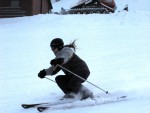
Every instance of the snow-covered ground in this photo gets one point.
(116, 48)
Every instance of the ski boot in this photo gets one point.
(85, 93)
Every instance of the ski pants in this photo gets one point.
(69, 83)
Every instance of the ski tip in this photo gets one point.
(40, 109)
(123, 96)
(24, 106)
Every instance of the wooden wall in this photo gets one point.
(34, 7)
(26, 5)
(5, 3)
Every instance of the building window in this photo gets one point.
(14, 3)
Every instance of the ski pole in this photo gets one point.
(50, 79)
(82, 79)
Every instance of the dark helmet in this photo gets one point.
(57, 43)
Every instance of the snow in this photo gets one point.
(116, 48)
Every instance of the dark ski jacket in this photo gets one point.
(71, 62)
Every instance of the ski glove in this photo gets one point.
(57, 61)
(42, 73)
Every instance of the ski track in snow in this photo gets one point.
(85, 103)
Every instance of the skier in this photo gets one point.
(70, 84)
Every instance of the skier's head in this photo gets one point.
(57, 43)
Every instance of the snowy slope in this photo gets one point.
(115, 46)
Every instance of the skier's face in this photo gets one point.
(54, 49)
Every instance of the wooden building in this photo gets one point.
(15, 8)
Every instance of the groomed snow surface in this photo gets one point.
(116, 48)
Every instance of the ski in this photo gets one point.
(81, 103)
(122, 96)
(41, 109)
(26, 106)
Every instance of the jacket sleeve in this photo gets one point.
(66, 54)
(52, 70)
